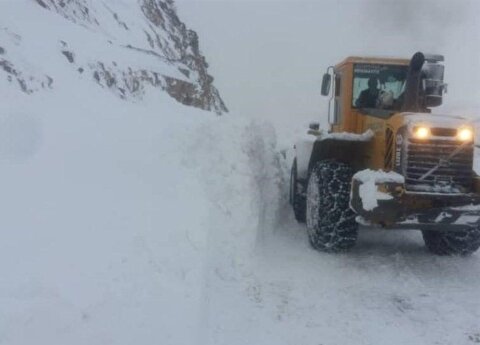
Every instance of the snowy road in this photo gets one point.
(388, 290)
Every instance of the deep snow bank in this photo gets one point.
(118, 215)
(115, 214)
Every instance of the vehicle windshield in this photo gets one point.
(378, 86)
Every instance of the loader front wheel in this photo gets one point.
(331, 223)
(452, 242)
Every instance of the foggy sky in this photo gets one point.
(268, 56)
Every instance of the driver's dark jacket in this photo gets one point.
(367, 99)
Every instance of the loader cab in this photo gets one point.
(350, 89)
(381, 87)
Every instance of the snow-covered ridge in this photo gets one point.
(123, 46)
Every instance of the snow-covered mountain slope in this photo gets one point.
(124, 46)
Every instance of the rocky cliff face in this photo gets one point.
(125, 46)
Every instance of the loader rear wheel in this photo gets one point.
(452, 243)
(297, 195)
(331, 223)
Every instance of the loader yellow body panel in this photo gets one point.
(352, 120)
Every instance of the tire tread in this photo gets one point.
(331, 223)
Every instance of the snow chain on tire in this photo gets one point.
(452, 243)
(331, 223)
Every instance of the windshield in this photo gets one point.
(378, 86)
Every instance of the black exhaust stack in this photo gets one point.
(424, 85)
(411, 99)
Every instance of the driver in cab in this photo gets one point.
(368, 97)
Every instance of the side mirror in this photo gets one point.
(326, 83)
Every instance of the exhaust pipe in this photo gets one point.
(411, 98)
(424, 85)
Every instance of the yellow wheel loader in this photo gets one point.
(386, 160)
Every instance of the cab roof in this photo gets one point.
(374, 60)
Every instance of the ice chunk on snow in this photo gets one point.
(442, 216)
(467, 219)
(410, 220)
(368, 193)
(362, 221)
(379, 176)
(368, 190)
(470, 207)
(367, 136)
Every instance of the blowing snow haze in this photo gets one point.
(269, 56)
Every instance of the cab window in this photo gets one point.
(378, 86)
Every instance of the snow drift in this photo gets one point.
(117, 200)
(114, 215)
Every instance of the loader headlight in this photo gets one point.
(465, 134)
(421, 132)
